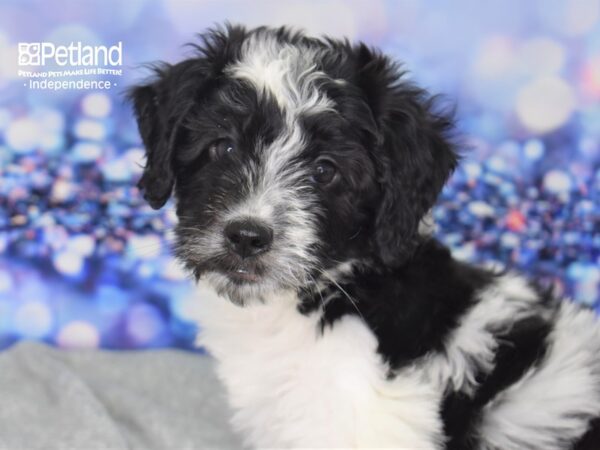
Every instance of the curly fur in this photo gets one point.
(354, 329)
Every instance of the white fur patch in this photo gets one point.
(285, 72)
(280, 198)
(471, 347)
(552, 404)
(292, 388)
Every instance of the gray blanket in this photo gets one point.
(80, 400)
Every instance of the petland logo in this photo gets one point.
(73, 66)
(75, 54)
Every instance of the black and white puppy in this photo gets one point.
(302, 169)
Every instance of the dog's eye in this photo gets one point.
(220, 148)
(324, 172)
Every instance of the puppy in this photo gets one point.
(302, 169)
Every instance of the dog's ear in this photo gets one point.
(158, 179)
(162, 105)
(160, 108)
(414, 153)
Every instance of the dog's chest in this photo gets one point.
(291, 385)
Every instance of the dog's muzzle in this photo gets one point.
(248, 238)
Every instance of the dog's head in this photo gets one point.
(289, 156)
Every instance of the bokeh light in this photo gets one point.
(85, 263)
(545, 104)
(78, 335)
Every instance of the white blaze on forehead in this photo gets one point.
(277, 178)
(287, 73)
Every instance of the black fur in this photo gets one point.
(412, 308)
(591, 440)
(521, 349)
(392, 148)
(377, 109)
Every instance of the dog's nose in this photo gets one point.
(248, 237)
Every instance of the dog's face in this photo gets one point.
(289, 157)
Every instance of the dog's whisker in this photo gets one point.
(314, 288)
(343, 291)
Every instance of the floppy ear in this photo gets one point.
(414, 154)
(162, 106)
(157, 180)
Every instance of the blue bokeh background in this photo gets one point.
(85, 263)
